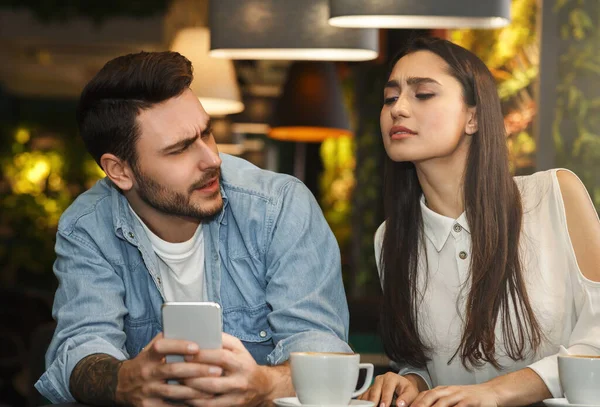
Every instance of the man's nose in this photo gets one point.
(208, 159)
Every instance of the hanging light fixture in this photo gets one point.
(310, 109)
(214, 82)
(420, 13)
(285, 30)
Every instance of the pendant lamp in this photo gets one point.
(310, 109)
(420, 13)
(215, 81)
(285, 30)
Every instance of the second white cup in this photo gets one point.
(323, 378)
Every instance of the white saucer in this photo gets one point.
(564, 403)
(294, 402)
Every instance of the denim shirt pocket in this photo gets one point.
(140, 332)
(250, 325)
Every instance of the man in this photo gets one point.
(175, 221)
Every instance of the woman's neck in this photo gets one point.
(442, 182)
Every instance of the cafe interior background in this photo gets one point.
(282, 99)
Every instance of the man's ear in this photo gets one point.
(118, 171)
(471, 126)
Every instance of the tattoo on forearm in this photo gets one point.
(94, 380)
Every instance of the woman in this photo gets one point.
(484, 275)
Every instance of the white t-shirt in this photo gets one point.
(566, 303)
(181, 265)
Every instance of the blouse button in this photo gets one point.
(462, 255)
(457, 228)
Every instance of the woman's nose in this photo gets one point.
(400, 108)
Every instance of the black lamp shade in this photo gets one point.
(285, 30)
(311, 106)
(420, 13)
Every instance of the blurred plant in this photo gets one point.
(34, 191)
(367, 202)
(576, 126)
(337, 185)
(512, 55)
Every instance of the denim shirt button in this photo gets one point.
(131, 235)
(263, 334)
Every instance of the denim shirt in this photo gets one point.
(271, 262)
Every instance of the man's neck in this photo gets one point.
(170, 228)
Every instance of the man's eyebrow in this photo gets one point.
(208, 127)
(181, 144)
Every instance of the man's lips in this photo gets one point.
(208, 184)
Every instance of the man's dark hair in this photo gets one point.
(111, 101)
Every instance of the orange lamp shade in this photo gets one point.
(311, 106)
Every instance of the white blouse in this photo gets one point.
(566, 303)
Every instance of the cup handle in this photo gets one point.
(368, 378)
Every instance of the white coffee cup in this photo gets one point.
(322, 378)
(580, 378)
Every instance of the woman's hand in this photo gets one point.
(477, 395)
(390, 386)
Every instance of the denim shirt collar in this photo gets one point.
(129, 228)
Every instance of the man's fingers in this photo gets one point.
(215, 385)
(162, 347)
(231, 342)
(180, 370)
(161, 403)
(156, 338)
(226, 400)
(226, 359)
(176, 392)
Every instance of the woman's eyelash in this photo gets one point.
(420, 96)
(424, 96)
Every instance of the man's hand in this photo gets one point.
(142, 380)
(244, 383)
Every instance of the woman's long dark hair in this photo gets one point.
(494, 212)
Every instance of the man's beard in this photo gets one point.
(175, 203)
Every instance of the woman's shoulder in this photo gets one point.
(537, 178)
(558, 195)
(549, 183)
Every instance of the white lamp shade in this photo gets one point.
(420, 13)
(214, 82)
(285, 30)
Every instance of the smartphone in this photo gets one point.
(199, 322)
